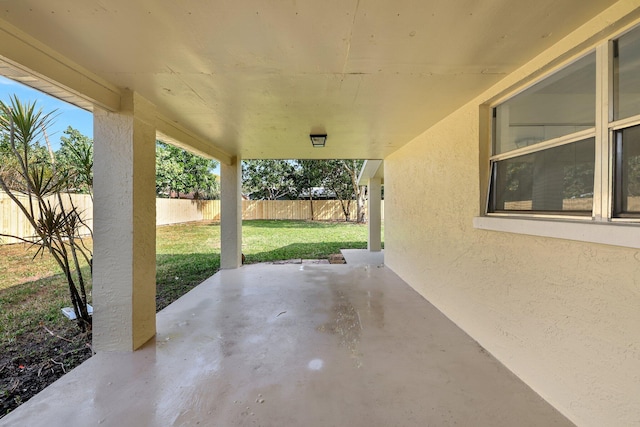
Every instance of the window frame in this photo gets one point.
(616, 129)
(604, 132)
(540, 147)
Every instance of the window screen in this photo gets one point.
(627, 172)
(558, 179)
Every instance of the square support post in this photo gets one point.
(375, 216)
(231, 214)
(124, 268)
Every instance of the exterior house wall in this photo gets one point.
(563, 315)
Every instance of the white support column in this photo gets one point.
(124, 267)
(231, 214)
(375, 217)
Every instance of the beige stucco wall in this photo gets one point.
(562, 315)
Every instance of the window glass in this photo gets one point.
(627, 164)
(558, 179)
(627, 76)
(559, 105)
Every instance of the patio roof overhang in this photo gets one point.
(371, 169)
(253, 79)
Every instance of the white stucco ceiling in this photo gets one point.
(255, 77)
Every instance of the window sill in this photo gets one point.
(606, 233)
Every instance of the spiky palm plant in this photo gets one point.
(36, 176)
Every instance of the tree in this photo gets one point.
(179, 172)
(275, 179)
(75, 158)
(269, 179)
(341, 177)
(308, 176)
(9, 166)
(353, 168)
(56, 226)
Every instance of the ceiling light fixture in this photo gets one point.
(318, 140)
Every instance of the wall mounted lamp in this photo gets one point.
(318, 140)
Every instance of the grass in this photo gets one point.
(280, 240)
(35, 339)
(32, 290)
(17, 265)
(186, 254)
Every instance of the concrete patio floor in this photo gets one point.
(295, 345)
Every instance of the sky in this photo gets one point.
(66, 114)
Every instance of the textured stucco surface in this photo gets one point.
(374, 222)
(562, 315)
(124, 227)
(231, 214)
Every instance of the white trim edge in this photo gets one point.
(626, 235)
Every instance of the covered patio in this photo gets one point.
(414, 88)
(322, 345)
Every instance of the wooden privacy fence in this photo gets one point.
(323, 210)
(13, 221)
(174, 211)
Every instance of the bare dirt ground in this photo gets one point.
(36, 360)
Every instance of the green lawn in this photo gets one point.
(189, 253)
